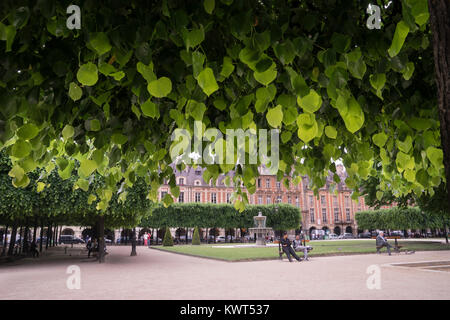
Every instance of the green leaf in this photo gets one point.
(404, 162)
(82, 184)
(378, 81)
(436, 157)
(195, 109)
(87, 167)
(351, 112)
(408, 71)
(16, 172)
(40, 187)
(307, 127)
(380, 139)
(266, 77)
(119, 138)
(7, 33)
(401, 32)
(331, 132)
(68, 132)
(209, 5)
(285, 52)
(21, 149)
(99, 42)
(28, 131)
(150, 109)
(227, 67)
(194, 37)
(207, 81)
(88, 74)
(160, 88)
(275, 116)
(75, 92)
(311, 102)
(146, 71)
(405, 145)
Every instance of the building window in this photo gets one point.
(198, 172)
(268, 200)
(278, 185)
(347, 214)
(228, 197)
(347, 201)
(335, 201)
(163, 194)
(213, 197)
(267, 183)
(297, 202)
(197, 197)
(181, 197)
(289, 200)
(311, 201)
(322, 201)
(181, 181)
(279, 199)
(336, 214)
(259, 183)
(311, 215)
(324, 215)
(197, 182)
(260, 201)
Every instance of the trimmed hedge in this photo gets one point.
(399, 219)
(208, 215)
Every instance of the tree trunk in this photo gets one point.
(187, 231)
(48, 236)
(35, 230)
(56, 235)
(440, 27)
(133, 243)
(101, 239)
(12, 240)
(41, 235)
(5, 241)
(20, 241)
(25, 239)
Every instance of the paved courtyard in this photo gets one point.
(160, 275)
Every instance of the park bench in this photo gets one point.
(397, 248)
(281, 252)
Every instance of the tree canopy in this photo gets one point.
(109, 95)
(208, 215)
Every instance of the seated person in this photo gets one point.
(297, 243)
(382, 242)
(286, 247)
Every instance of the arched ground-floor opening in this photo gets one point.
(349, 229)
(337, 230)
(67, 232)
(326, 230)
(312, 232)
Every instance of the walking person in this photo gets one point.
(145, 238)
(33, 249)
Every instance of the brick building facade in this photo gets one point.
(330, 212)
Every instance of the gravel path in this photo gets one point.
(160, 275)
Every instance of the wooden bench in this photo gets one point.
(281, 252)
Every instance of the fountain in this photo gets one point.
(260, 229)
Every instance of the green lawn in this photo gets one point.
(320, 248)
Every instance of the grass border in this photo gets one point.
(334, 254)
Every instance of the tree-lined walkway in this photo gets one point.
(160, 275)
